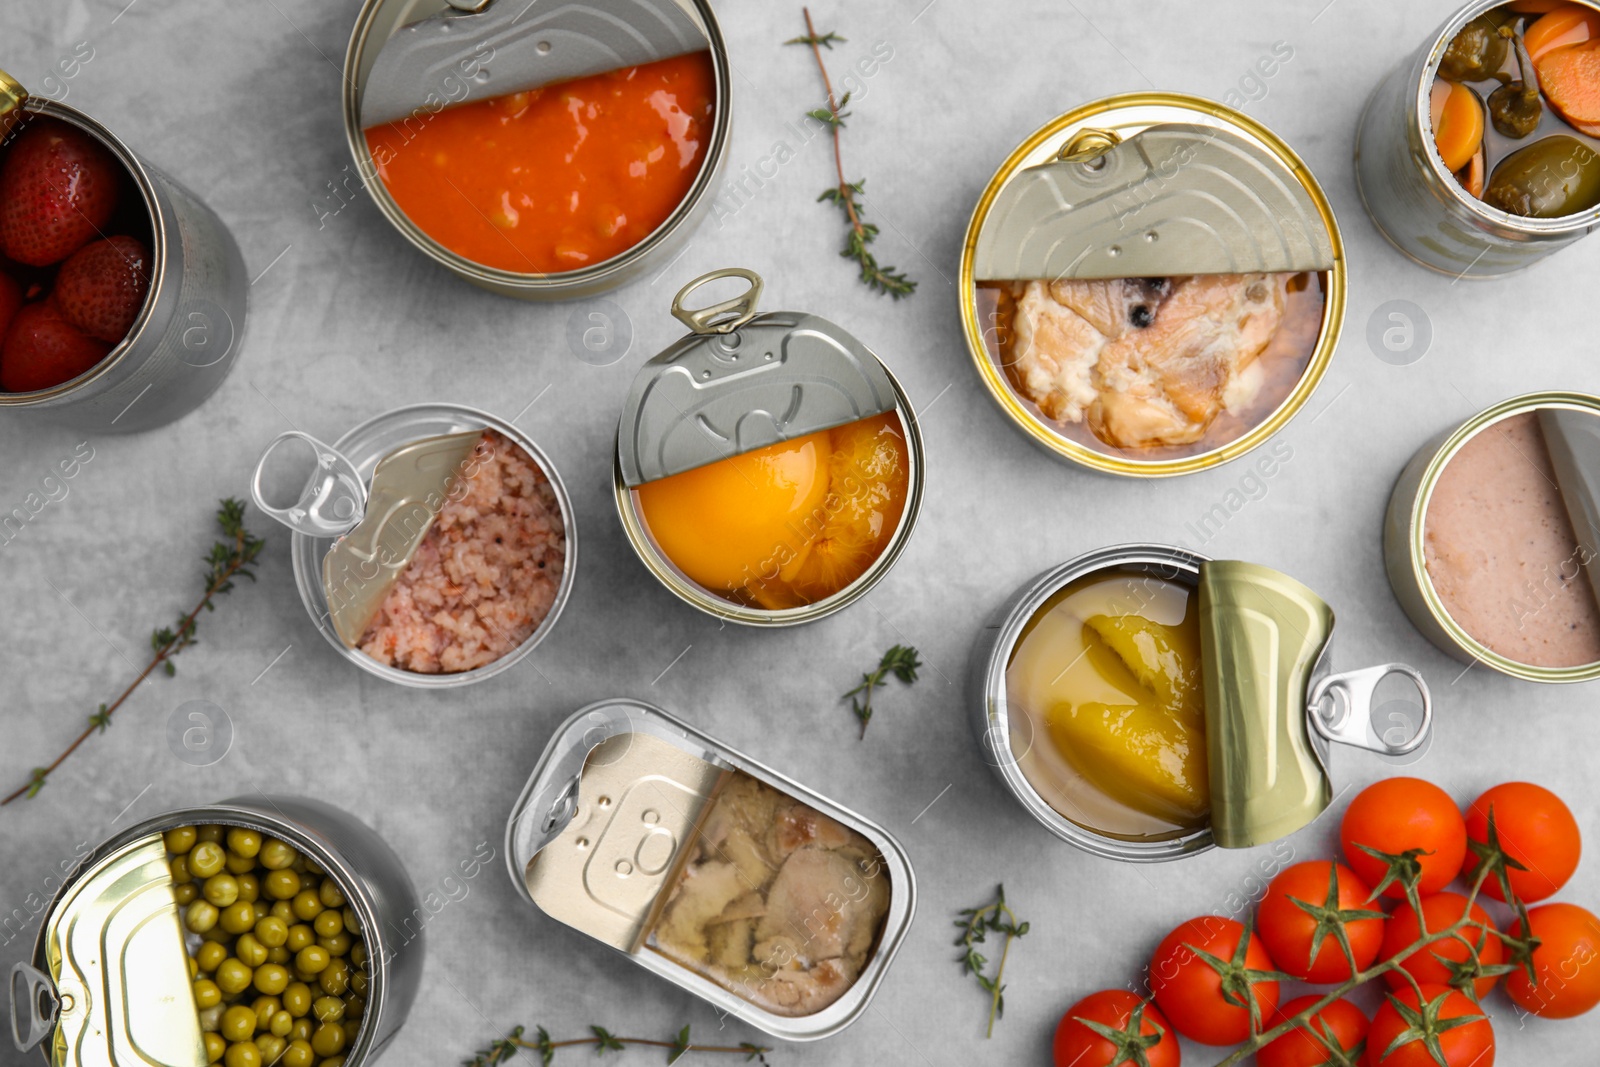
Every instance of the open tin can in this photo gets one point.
(370, 514)
(761, 897)
(1260, 715)
(109, 981)
(184, 341)
(769, 468)
(1152, 284)
(1492, 538)
(1415, 200)
(559, 33)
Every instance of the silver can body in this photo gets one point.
(186, 338)
(375, 883)
(1417, 204)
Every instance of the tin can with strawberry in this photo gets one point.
(122, 296)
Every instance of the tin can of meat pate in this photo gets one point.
(380, 20)
(1107, 232)
(186, 337)
(1271, 705)
(1413, 198)
(109, 979)
(635, 827)
(1543, 530)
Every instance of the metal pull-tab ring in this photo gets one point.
(725, 317)
(34, 1004)
(334, 499)
(1340, 709)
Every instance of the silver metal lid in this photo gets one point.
(1207, 202)
(743, 380)
(1572, 438)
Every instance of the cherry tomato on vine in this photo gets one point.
(1567, 963)
(1208, 999)
(1098, 1030)
(1407, 1033)
(1308, 909)
(1433, 965)
(1395, 816)
(1534, 828)
(1341, 1022)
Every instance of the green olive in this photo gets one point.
(249, 887)
(206, 993)
(298, 1054)
(212, 833)
(300, 935)
(221, 889)
(313, 959)
(358, 955)
(301, 1031)
(351, 923)
(265, 1008)
(215, 1047)
(312, 868)
(307, 905)
(275, 855)
(179, 865)
(337, 945)
(206, 859)
(1552, 177)
(233, 976)
(244, 842)
(281, 885)
(1476, 53)
(200, 916)
(238, 864)
(282, 909)
(335, 978)
(238, 917)
(280, 1023)
(297, 999)
(328, 924)
(358, 983)
(272, 978)
(327, 1009)
(238, 1023)
(271, 1047)
(210, 956)
(249, 951)
(271, 931)
(279, 954)
(327, 1040)
(242, 1054)
(186, 893)
(180, 839)
(330, 894)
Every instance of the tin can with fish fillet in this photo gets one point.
(1412, 194)
(1152, 284)
(730, 880)
(434, 545)
(1492, 538)
(769, 468)
(110, 976)
(440, 105)
(185, 338)
(1145, 703)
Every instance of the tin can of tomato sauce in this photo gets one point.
(760, 896)
(768, 468)
(1152, 284)
(1492, 538)
(1145, 703)
(113, 979)
(556, 235)
(186, 336)
(1418, 203)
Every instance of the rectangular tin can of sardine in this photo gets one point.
(756, 894)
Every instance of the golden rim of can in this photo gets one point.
(1121, 116)
(12, 97)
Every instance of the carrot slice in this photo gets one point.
(1459, 129)
(1566, 24)
(1474, 180)
(1570, 78)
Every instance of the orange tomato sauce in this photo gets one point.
(556, 178)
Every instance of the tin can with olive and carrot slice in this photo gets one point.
(1152, 284)
(736, 883)
(155, 359)
(456, 110)
(136, 950)
(1145, 703)
(1522, 179)
(1492, 538)
(768, 467)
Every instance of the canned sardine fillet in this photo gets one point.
(1481, 153)
(1492, 536)
(1153, 284)
(750, 891)
(1144, 702)
(260, 930)
(556, 153)
(768, 467)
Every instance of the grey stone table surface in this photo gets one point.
(239, 100)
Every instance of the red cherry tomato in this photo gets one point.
(1567, 963)
(1288, 929)
(1536, 829)
(1191, 991)
(1469, 1045)
(1430, 966)
(1080, 1045)
(1342, 1021)
(1395, 816)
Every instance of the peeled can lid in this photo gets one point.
(741, 381)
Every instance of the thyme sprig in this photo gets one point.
(901, 661)
(847, 194)
(602, 1041)
(228, 559)
(975, 925)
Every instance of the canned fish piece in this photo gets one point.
(465, 514)
(485, 188)
(1145, 703)
(1491, 536)
(1523, 177)
(109, 981)
(769, 468)
(124, 373)
(767, 900)
(1152, 284)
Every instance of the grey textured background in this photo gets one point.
(239, 100)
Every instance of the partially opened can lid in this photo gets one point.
(741, 381)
